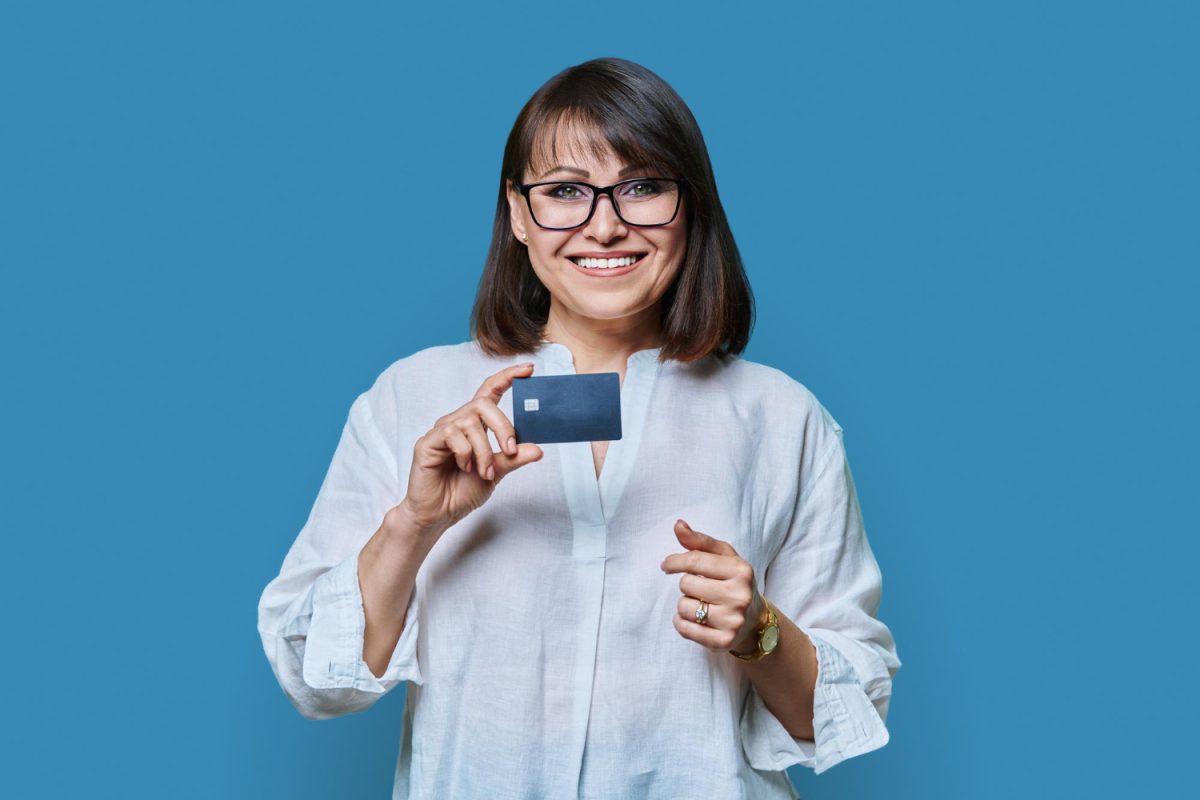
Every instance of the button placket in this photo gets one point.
(592, 505)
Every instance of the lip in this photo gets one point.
(615, 272)
(605, 254)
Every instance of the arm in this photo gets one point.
(387, 573)
(786, 679)
(826, 582)
(312, 617)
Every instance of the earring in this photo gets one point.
(524, 238)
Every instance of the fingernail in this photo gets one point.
(512, 445)
(491, 472)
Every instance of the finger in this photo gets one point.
(728, 593)
(709, 565)
(499, 424)
(527, 453)
(695, 540)
(494, 386)
(702, 634)
(472, 428)
(719, 617)
(458, 444)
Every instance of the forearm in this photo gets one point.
(387, 574)
(787, 678)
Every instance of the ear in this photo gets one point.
(516, 210)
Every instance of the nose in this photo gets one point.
(605, 225)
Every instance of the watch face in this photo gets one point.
(770, 638)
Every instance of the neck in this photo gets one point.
(603, 345)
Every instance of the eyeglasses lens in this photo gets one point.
(639, 202)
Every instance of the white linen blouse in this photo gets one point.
(538, 646)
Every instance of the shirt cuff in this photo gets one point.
(333, 651)
(845, 722)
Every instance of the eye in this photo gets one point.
(566, 191)
(643, 189)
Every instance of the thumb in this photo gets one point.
(685, 534)
(695, 540)
(527, 453)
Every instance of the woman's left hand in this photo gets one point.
(716, 574)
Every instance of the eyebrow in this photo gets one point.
(584, 172)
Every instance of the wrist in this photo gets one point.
(746, 648)
(766, 636)
(407, 526)
(748, 645)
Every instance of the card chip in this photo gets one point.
(531, 404)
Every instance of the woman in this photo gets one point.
(685, 611)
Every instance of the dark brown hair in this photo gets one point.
(709, 307)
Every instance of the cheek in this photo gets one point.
(539, 268)
(671, 251)
(674, 244)
(546, 251)
(545, 258)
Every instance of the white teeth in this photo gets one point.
(605, 263)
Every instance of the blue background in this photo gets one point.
(971, 230)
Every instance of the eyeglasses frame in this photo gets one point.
(597, 193)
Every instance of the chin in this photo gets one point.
(611, 312)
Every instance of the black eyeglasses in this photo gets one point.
(642, 202)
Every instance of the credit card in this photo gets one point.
(567, 408)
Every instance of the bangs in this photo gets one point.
(576, 135)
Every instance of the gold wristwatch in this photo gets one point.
(768, 635)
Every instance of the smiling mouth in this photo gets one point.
(607, 263)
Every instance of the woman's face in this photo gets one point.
(597, 298)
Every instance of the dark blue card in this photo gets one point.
(567, 408)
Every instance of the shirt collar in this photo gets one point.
(561, 357)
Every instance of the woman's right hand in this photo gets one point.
(454, 470)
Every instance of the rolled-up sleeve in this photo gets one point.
(310, 616)
(826, 580)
